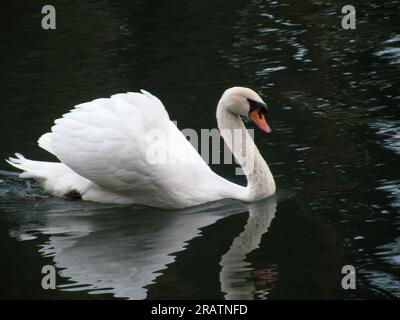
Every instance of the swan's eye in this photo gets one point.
(257, 105)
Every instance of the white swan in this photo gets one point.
(103, 146)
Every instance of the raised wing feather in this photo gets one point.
(127, 144)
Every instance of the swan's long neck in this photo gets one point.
(260, 182)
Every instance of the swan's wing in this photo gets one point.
(126, 143)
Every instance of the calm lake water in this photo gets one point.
(334, 99)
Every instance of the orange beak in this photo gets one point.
(258, 118)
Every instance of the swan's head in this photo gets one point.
(246, 102)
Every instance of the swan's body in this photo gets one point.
(125, 149)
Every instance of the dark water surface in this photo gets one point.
(334, 99)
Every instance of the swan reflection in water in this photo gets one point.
(234, 267)
(121, 250)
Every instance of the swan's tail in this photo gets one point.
(55, 177)
(31, 169)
